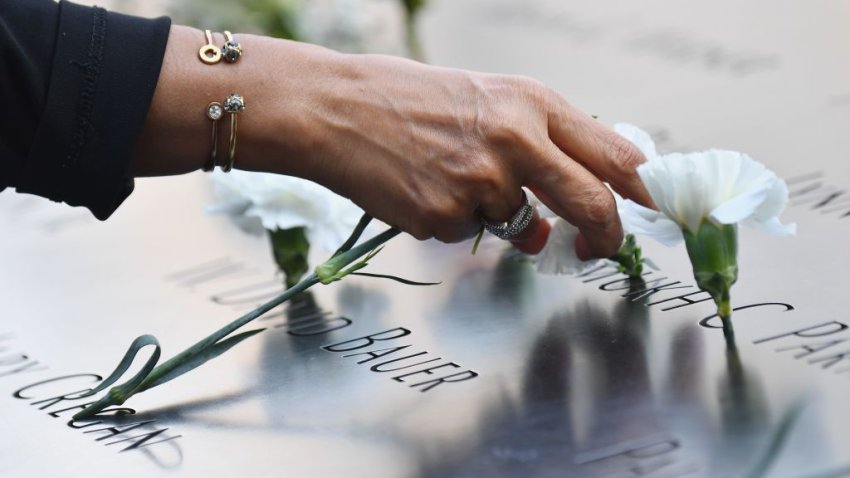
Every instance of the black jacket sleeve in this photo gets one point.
(75, 86)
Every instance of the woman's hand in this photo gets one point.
(423, 148)
(429, 149)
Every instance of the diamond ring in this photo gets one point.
(508, 230)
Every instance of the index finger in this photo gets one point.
(577, 195)
(598, 148)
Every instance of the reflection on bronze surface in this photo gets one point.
(587, 407)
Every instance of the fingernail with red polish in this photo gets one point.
(535, 242)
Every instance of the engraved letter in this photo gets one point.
(373, 354)
(466, 375)
(808, 332)
(366, 341)
(810, 349)
(19, 392)
(377, 366)
(705, 322)
(427, 371)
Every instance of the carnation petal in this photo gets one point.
(772, 226)
(675, 183)
(641, 220)
(558, 256)
(766, 216)
(739, 207)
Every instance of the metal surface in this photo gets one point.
(575, 376)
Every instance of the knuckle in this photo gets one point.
(507, 107)
(502, 127)
(441, 211)
(527, 84)
(513, 84)
(451, 221)
(429, 215)
(450, 235)
(535, 91)
(626, 156)
(488, 179)
(600, 208)
(523, 84)
(435, 214)
(420, 232)
(538, 97)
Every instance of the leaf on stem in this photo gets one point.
(118, 394)
(395, 278)
(330, 272)
(365, 219)
(200, 358)
(649, 262)
(129, 356)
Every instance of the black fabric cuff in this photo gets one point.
(105, 69)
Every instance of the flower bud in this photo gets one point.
(713, 250)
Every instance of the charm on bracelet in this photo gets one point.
(234, 104)
(209, 53)
(232, 50)
(214, 112)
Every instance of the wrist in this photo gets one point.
(285, 84)
(176, 135)
(282, 83)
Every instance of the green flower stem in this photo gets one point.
(164, 372)
(477, 240)
(215, 344)
(713, 250)
(724, 311)
(223, 332)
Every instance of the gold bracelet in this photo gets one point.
(234, 104)
(214, 112)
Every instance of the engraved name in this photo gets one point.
(52, 396)
(380, 352)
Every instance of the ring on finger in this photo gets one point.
(513, 227)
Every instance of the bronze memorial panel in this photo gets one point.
(548, 376)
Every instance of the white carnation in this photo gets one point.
(258, 201)
(558, 256)
(725, 187)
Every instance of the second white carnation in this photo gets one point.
(258, 201)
